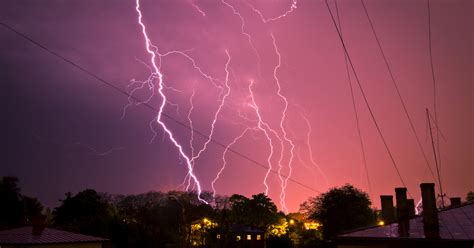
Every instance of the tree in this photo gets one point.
(87, 212)
(340, 209)
(31, 208)
(16, 209)
(11, 206)
(262, 211)
(157, 219)
(258, 211)
(470, 197)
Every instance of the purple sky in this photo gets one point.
(60, 121)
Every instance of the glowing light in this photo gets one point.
(292, 222)
(312, 225)
(381, 223)
(279, 229)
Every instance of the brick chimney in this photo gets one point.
(388, 211)
(455, 201)
(411, 207)
(430, 212)
(403, 217)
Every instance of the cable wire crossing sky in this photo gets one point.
(288, 98)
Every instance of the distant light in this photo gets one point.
(312, 225)
(292, 222)
(381, 223)
(205, 220)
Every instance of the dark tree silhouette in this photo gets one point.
(11, 206)
(87, 212)
(16, 209)
(258, 211)
(32, 208)
(157, 219)
(340, 209)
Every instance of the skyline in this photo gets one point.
(74, 128)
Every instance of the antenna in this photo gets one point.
(442, 195)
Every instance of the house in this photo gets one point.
(449, 228)
(46, 238)
(240, 236)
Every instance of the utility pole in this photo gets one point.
(442, 195)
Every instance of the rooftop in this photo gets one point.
(454, 224)
(24, 235)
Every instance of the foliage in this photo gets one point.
(470, 197)
(200, 231)
(278, 230)
(340, 209)
(16, 209)
(159, 219)
(258, 211)
(87, 212)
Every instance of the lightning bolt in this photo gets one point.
(216, 115)
(191, 139)
(282, 120)
(275, 139)
(224, 161)
(244, 33)
(197, 8)
(157, 73)
(293, 6)
(419, 207)
(262, 126)
(310, 148)
(226, 94)
(100, 153)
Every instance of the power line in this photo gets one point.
(395, 84)
(438, 164)
(123, 92)
(365, 98)
(362, 148)
(434, 82)
(436, 160)
(436, 126)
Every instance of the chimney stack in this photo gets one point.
(455, 201)
(403, 218)
(411, 207)
(430, 212)
(388, 211)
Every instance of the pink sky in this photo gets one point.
(53, 106)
